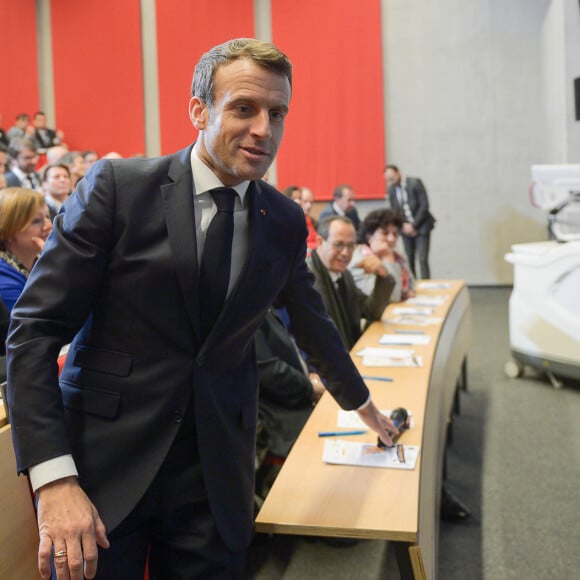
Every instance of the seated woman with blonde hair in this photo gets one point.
(380, 231)
(24, 227)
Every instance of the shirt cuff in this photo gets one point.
(51, 470)
(365, 404)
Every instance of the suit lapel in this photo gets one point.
(180, 219)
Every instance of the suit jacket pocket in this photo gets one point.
(103, 361)
(93, 401)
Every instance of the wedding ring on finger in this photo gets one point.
(60, 554)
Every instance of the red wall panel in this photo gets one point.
(185, 30)
(334, 132)
(19, 60)
(98, 75)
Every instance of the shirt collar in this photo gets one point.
(337, 209)
(204, 179)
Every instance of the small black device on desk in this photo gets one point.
(400, 418)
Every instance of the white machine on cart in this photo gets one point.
(556, 188)
(544, 315)
(545, 303)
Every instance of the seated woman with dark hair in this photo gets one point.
(24, 227)
(379, 232)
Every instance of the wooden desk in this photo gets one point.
(312, 498)
(18, 528)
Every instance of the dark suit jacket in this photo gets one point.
(12, 180)
(329, 210)
(285, 390)
(49, 139)
(118, 277)
(348, 314)
(418, 204)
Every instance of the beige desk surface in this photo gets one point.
(313, 498)
(18, 529)
(2, 414)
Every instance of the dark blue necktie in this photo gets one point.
(214, 272)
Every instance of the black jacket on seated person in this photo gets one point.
(285, 398)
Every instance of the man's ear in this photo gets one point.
(198, 113)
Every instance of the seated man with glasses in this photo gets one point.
(346, 304)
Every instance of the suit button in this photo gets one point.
(178, 416)
(199, 360)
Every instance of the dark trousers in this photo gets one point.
(418, 246)
(173, 527)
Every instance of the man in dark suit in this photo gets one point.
(145, 445)
(55, 186)
(23, 157)
(342, 204)
(409, 198)
(346, 304)
(44, 137)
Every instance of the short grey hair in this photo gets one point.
(262, 53)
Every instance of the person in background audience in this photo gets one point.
(3, 137)
(306, 201)
(76, 166)
(21, 128)
(3, 159)
(89, 157)
(23, 158)
(56, 186)
(55, 154)
(112, 155)
(342, 204)
(24, 227)
(44, 137)
(408, 197)
(293, 192)
(379, 233)
(345, 303)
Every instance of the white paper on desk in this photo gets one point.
(427, 300)
(414, 320)
(434, 285)
(381, 361)
(417, 311)
(352, 420)
(389, 357)
(342, 452)
(386, 352)
(405, 339)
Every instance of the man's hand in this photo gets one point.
(379, 423)
(372, 264)
(318, 387)
(409, 229)
(68, 521)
